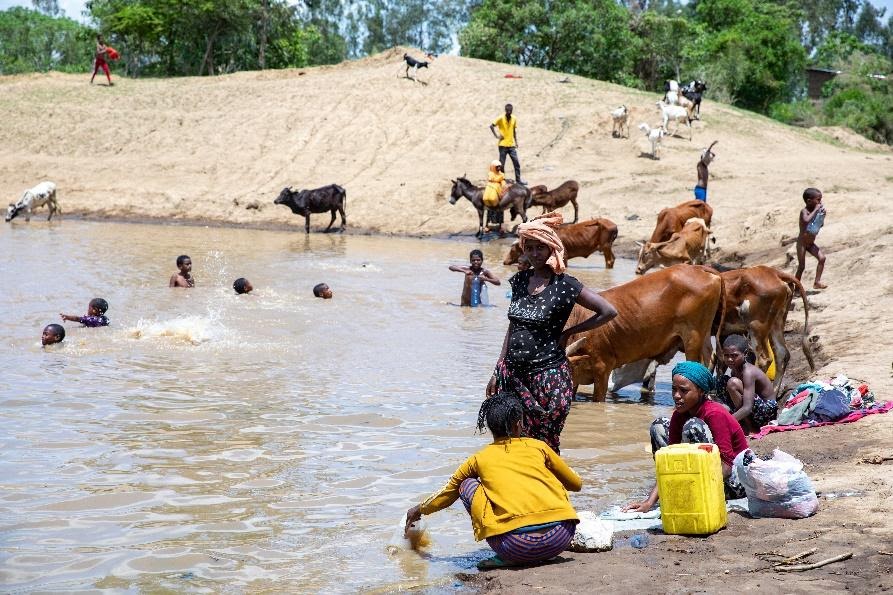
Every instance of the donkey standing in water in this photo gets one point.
(517, 198)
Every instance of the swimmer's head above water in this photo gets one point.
(97, 307)
(321, 290)
(476, 260)
(52, 333)
(242, 285)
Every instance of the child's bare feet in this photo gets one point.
(819, 285)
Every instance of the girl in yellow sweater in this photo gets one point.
(496, 185)
(515, 490)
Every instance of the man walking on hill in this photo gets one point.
(508, 140)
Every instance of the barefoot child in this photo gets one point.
(812, 217)
(183, 278)
(514, 489)
(475, 270)
(749, 394)
(52, 333)
(95, 314)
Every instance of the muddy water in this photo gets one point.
(207, 441)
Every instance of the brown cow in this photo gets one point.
(755, 304)
(580, 239)
(657, 315)
(672, 219)
(556, 198)
(686, 246)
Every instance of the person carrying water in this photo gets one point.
(508, 140)
(532, 363)
(697, 420)
(100, 60)
(95, 314)
(707, 157)
(812, 218)
(475, 277)
(514, 489)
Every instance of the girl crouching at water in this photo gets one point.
(515, 490)
(533, 364)
(697, 420)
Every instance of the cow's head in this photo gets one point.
(581, 370)
(513, 254)
(11, 212)
(283, 197)
(648, 253)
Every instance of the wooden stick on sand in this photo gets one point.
(802, 567)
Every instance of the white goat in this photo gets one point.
(621, 119)
(654, 135)
(677, 114)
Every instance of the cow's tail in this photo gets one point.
(804, 336)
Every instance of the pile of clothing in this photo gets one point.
(815, 402)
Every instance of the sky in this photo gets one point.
(74, 8)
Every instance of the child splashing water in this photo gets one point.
(514, 489)
(95, 314)
(474, 289)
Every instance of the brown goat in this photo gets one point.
(552, 200)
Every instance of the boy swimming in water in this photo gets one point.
(95, 314)
(812, 217)
(52, 333)
(474, 270)
(242, 285)
(321, 290)
(183, 277)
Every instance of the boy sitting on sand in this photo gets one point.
(183, 277)
(474, 270)
(812, 217)
(514, 489)
(52, 333)
(95, 314)
(749, 394)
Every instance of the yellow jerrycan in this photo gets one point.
(690, 488)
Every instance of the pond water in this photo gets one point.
(210, 442)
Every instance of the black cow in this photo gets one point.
(303, 202)
(693, 92)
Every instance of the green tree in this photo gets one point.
(859, 98)
(590, 38)
(32, 41)
(661, 46)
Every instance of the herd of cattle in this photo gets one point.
(678, 308)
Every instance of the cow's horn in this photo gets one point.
(638, 243)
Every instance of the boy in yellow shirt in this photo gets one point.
(514, 489)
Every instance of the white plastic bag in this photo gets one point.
(776, 488)
(593, 534)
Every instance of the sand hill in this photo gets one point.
(204, 149)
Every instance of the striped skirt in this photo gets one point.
(517, 546)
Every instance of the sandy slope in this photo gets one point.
(205, 148)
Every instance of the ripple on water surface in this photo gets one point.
(272, 441)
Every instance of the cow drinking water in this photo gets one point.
(319, 200)
(42, 194)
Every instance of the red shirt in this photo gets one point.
(727, 433)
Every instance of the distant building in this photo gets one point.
(816, 79)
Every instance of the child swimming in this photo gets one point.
(242, 285)
(321, 290)
(514, 489)
(95, 314)
(183, 277)
(475, 270)
(52, 333)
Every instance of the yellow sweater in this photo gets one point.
(523, 482)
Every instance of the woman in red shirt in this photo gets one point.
(697, 420)
(100, 60)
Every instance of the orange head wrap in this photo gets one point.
(542, 228)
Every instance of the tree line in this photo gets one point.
(752, 52)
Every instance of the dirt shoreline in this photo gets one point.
(217, 151)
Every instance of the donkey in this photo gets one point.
(517, 198)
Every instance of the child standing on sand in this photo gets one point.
(95, 314)
(812, 217)
(183, 278)
(475, 271)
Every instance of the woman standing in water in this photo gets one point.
(533, 364)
